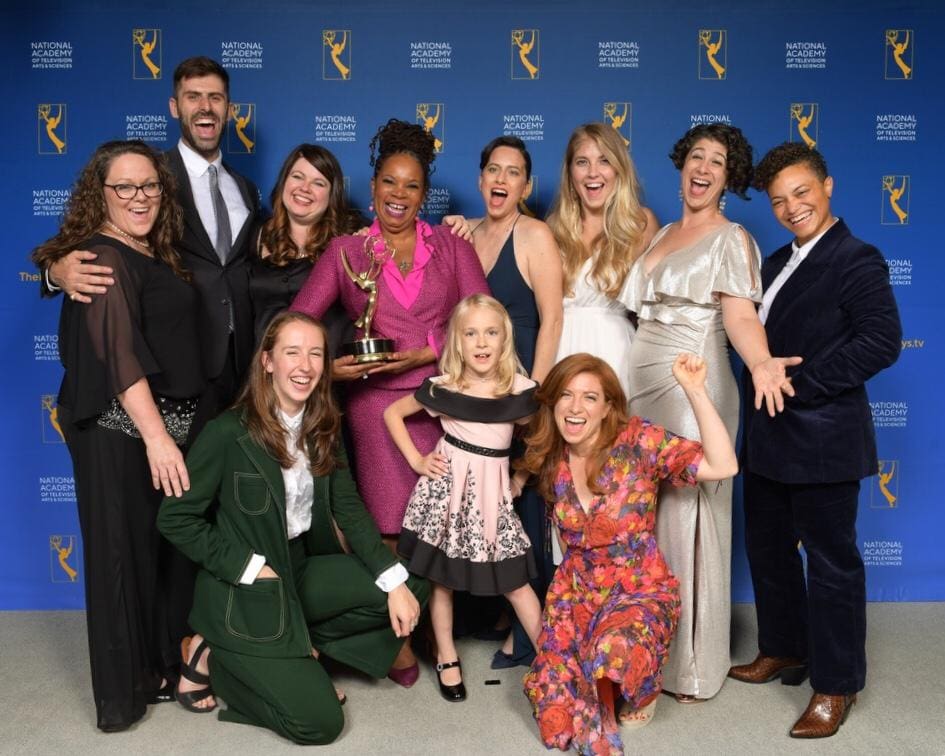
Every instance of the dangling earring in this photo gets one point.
(679, 194)
(722, 203)
(370, 208)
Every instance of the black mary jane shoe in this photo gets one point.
(452, 693)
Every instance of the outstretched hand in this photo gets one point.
(690, 371)
(772, 383)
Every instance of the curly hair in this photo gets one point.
(451, 362)
(337, 219)
(738, 161)
(624, 220)
(86, 212)
(544, 445)
(506, 141)
(402, 138)
(784, 155)
(320, 434)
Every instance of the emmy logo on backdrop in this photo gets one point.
(338, 52)
(368, 348)
(244, 128)
(900, 44)
(52, 431)
(59, 557)
(894, 198)
(714, 51)
(53, 144)
(806, 125)
(885, 495)
(145, 50)
(621, 123)
(434, 124)
(521, 50)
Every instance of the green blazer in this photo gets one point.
(236, 507)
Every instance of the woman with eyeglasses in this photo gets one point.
(132, 377)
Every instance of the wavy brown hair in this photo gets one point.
(544, 445)
(86, 212)
(338, 218)
(320, 434)
(624, 220)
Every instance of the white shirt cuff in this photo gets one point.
(256, 563)
(392, 577)
(49, 284)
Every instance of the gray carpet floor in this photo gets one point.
(47, 707)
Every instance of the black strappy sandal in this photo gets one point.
(188, 671)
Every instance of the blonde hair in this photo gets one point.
(451, 361)
(624, 220)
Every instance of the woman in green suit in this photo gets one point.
(271, 515)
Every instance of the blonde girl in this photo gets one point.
(460, 529)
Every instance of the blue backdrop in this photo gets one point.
(863, 81)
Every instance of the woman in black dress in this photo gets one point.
(128, 396)
(308, 210)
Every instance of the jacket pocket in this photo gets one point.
(257, 611)
(251, 493)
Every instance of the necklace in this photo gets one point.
(404, 266)
(129, 237)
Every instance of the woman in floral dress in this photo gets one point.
(613, 604)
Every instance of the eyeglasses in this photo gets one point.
(130, 191)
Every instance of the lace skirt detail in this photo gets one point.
(177, 414)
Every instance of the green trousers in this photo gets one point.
(348, 621)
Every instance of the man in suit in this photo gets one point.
(826, 298)
(219, 207)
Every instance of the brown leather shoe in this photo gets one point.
(766, 668)
(823, 716)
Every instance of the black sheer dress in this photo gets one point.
(145, 326)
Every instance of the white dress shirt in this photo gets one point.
(798, 255)
(199, 174)
(299, 496)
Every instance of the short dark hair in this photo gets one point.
(398, 137)
(506, 141)
(784, 155)
(200, 66)
(738, 161)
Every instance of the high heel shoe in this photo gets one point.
(188, 670)
(406, 676)
(163, 694)
(452, 693)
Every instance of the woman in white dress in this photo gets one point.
(600, 227)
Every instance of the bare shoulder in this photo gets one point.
(534, 233)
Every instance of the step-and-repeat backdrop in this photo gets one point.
(864, 85)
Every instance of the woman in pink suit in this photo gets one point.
(426, 271)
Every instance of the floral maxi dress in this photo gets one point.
(613, 604)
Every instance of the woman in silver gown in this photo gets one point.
(695, 290)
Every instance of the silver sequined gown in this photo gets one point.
(679, 311)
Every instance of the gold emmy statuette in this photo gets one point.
(712, 49)
(429, 123)
(899, 49)
(241, 122)
(63, 554)
(610, 113)
(328, 39)
(895, 194)
(140, 40)
(52, 124)
(524, 50)
(368, 349)
(803, 122)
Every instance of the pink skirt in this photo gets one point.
(385, 480)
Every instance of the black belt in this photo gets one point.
(483, 451)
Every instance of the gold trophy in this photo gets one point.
(368, 349)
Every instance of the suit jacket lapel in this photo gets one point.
(806, 273)
(250, 203)
(185, 196)
(267, 467)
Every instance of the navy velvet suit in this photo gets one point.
(802, 468)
